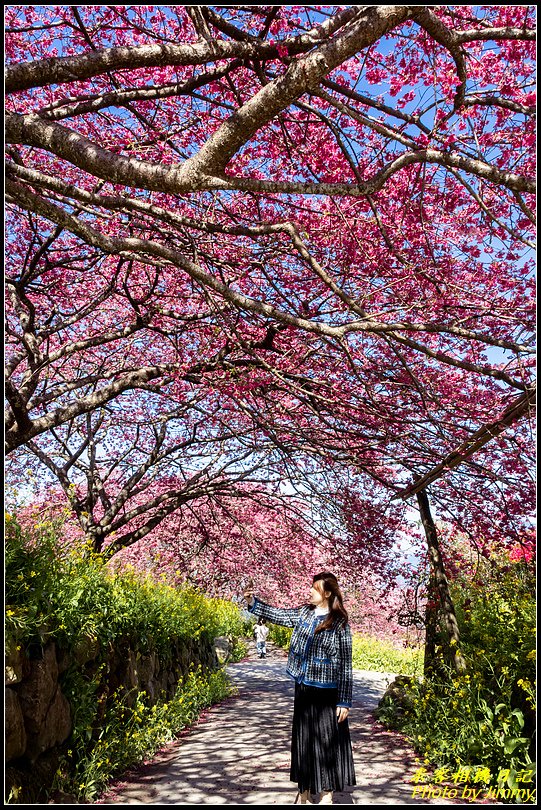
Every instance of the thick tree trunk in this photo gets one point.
(440, 582)
(431, 629)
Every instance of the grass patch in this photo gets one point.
(382, 656)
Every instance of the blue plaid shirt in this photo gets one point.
(315, 659)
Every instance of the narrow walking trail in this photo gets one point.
(239, 752)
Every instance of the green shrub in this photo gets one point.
(280, 635)
(69, 595)
(128, 733)
(482, 718)
(239, 651)
(31, 569)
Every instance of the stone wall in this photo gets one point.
(39, 717)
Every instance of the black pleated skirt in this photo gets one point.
(321, 755)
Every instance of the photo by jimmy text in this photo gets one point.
(468, 784)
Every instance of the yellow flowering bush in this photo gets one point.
(131, 733)
(68, 594)
(483, 717)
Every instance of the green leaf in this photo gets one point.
(510, 744)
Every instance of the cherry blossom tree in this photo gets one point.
(319, 219)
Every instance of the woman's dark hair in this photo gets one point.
(337, 611)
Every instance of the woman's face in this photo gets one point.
(317, 595)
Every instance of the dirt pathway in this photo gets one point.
(239, 752)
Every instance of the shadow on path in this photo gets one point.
(239, 753)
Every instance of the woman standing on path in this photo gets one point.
(320, 663)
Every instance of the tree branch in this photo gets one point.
(521, 406)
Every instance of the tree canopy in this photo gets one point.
(262, 250)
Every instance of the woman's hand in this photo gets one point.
(342, 713)
(248, 593)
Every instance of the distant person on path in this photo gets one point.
(320, 663)
(261, 631)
